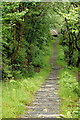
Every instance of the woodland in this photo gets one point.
(27, 48)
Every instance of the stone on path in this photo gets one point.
(47, 101)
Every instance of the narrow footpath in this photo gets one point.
(47, 101)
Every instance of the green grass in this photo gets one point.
(68, 87)
(0, 100)
(60, 56)
(16, 94)
(68, 93)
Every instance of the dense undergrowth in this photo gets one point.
(69, 87)
(18, 93)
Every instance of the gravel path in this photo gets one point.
(47, 101)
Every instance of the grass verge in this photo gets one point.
(68, 88)
(16, 94)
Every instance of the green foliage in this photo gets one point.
(18, 93)
(26, 34)
(31, 71)
(70, 31)
(27, 45)
(68, 87)
(60, 56)
(0, 99)
(68, 26)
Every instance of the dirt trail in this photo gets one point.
(47, 101)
